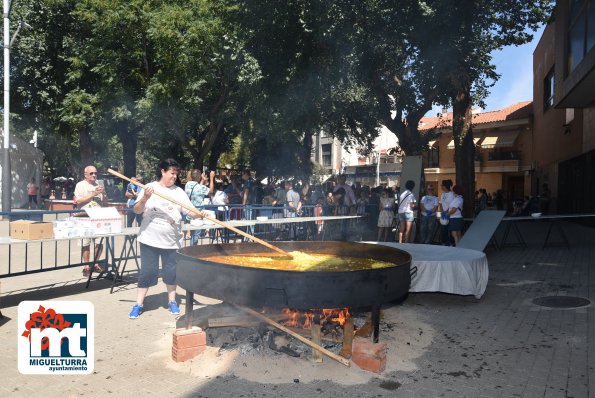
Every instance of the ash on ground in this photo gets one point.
(266, 340)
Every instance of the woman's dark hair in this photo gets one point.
(269, 191)
(447, 184)
(340, 192)
(410, 184)
(457, 189)
(166, 164)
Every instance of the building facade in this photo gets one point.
(503, 150)
(564, 107)
(381, 165)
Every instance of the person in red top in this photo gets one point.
(32, 192)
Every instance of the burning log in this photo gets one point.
(297, 336)
(281, 345)
(307, 333)
(329, 318)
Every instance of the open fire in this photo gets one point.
(327, 332)
(304, 319)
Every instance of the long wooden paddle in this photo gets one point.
(203, 215)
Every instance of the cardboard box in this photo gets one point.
(101, 220)
(64, 228)
(27, 229)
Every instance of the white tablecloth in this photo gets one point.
(446, 269)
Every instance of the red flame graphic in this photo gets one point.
(45, 319)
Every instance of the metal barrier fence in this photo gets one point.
(27, 257)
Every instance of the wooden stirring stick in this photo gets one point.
(195, 210)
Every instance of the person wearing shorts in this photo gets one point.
(455, 212)
(160, 233)
(407, 203)
(89, 193)
(444, 204)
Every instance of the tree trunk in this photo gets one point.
(86, 145)
(215, 125)
(407, 131)
(129, 145)
(464, 147)
(216, 152)
(306, 152)
(214, 160)
(406, 128)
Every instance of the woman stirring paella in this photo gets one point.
(160, 234)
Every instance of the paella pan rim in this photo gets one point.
(270, 287)
(248, 268)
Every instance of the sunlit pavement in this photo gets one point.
(500, 346)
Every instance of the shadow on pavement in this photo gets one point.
(52, 291)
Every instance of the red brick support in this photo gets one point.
(188, 343)
(369, 356)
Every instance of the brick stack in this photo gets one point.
(188, 343)
(369, 356)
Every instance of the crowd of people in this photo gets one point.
(516, 206)
(390, 209)
(44, 191)
(444, 212)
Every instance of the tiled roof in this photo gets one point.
(520, 110)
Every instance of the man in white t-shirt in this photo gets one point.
(455, 212)
(445, 199)
(292, 200)
(428, 207)
(89, 193)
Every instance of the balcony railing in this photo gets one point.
(504, 155)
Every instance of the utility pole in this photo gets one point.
(6, 175)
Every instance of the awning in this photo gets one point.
(501, 140)
(451, 144)
(432, 143)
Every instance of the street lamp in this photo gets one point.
(6, 172)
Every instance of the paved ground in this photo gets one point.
(500, 346)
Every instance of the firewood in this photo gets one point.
(315, 330)
(304, 340)
(246, 321)
(307, 333)
(347, 348)
(365, 330)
